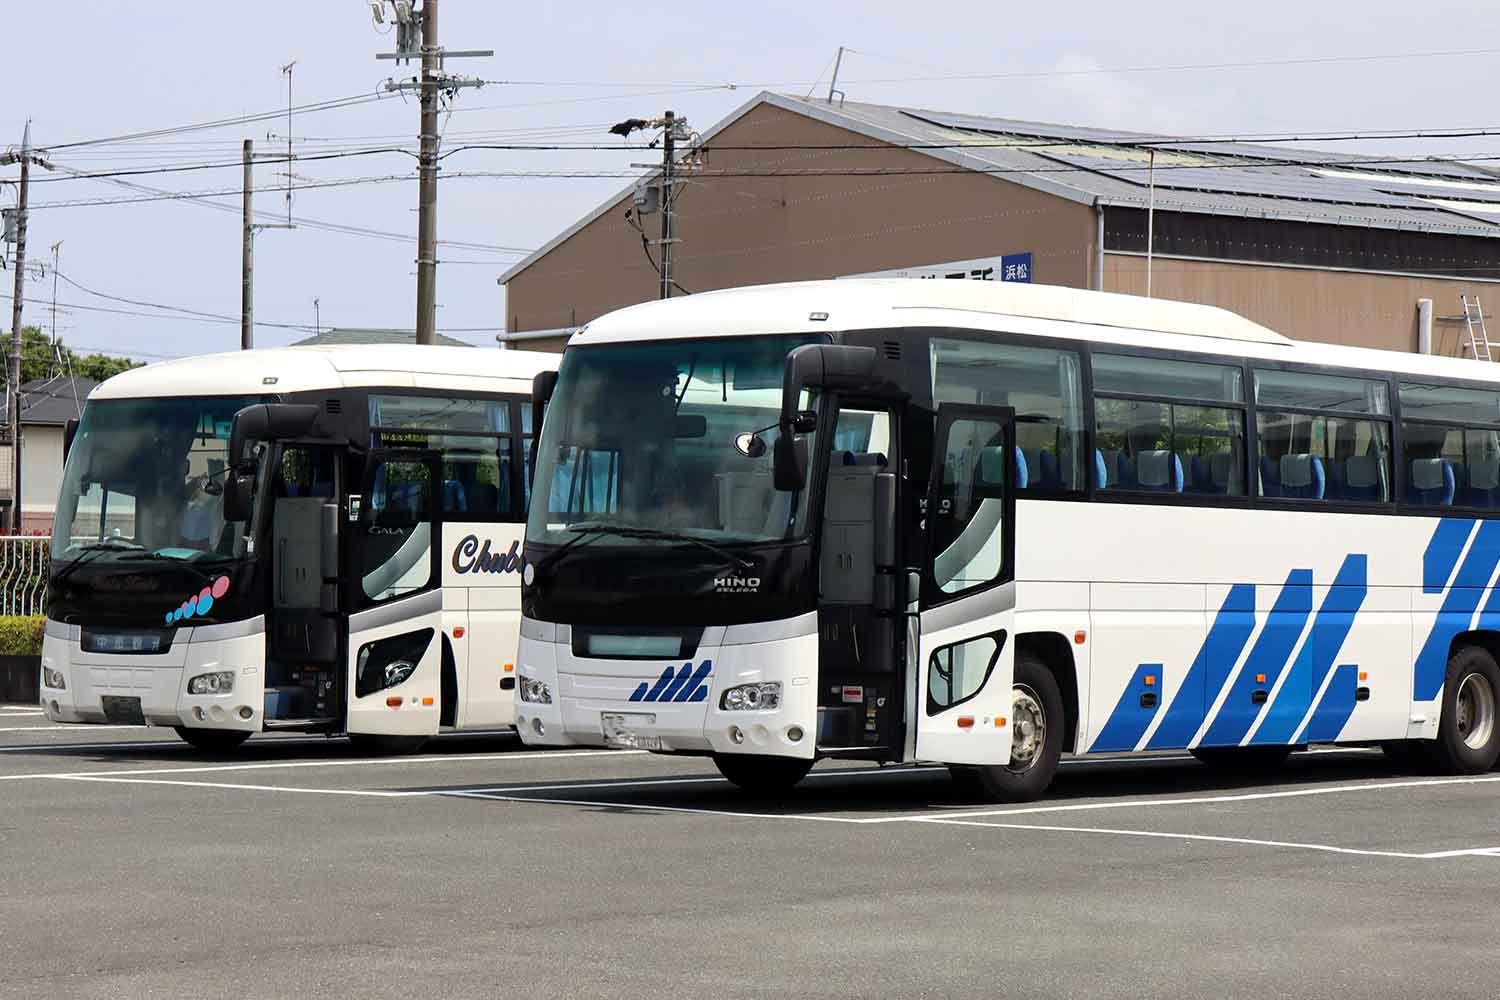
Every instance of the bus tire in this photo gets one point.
(1036, 720)
(1242, 758)
(1469, 734)
(212, 740)
(386, 746)
(762, 775)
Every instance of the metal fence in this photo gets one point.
(23, 574)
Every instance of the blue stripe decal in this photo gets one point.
(1270, 654)
(1457, 612)
(661, 682)
(692, 687)
(1221, 648)
(1442, 553)
(1330, 629)
(1128, 722)
(682, 676)
(1335, 707)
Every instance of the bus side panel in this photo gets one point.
(1145, 638)
(1366, 692)
(482, 563)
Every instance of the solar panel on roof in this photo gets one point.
(1246, 181)
(1003, 126)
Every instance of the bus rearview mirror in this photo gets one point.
(789, 462)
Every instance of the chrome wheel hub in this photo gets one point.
(1474, 710)
(1028, 728)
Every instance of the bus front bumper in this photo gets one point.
(152, 689)
(672, 706)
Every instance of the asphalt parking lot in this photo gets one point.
(134, 866)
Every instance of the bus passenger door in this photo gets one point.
(394, 673)
(967, 646)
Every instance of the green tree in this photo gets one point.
(40, 359)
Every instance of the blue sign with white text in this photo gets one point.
(1016, 267)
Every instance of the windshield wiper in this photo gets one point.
(593, 530)
(91, 552)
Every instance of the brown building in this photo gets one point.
(1320, 246)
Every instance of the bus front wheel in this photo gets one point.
(762, 775)
(212, 740)
(1036, 721)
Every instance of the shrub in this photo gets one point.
(21, 635)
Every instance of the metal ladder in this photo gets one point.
(1479, 340)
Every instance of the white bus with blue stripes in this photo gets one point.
(311, 540)
(989, 524)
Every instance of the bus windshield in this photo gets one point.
(144, 478)
(642, 436)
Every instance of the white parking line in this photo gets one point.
(1251, 842)
(1195, 800)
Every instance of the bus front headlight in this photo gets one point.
(535, 691)
(218, 682)
(762, 697)
(54, 679)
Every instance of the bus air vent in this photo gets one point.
(893, 350)
(333, 405)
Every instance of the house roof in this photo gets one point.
(371, 335)
(1110, 168)
(50, 401)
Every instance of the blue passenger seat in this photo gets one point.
(1361, 478)
(1159, 471)
(1431, 482)
(1101, 471)
(1300, 476)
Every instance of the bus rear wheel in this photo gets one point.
(1469, 735)
(212, 740)
(386, 746)
(1036, 721)
(762, 775)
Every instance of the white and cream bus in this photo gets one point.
(302, 539)
(988, 524)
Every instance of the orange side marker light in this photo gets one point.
(1364, 676)
(458, 631)
(509, 667)
(1151, 680)
(966, 722)
(1080, 637)
(1260, 678)
(394, 701)
(999, 723)
(427, 701)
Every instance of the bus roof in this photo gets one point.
(297, 369)
(1009, 307)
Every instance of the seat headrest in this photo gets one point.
(1219, 468)
(1156, 468)
(1427, 473)
(1297, 470)
(1362, 471)
(1484, 473)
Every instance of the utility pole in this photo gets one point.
(433, 82)
(668, 160)
(13, 388)
(427, 168)
(673, 129)
(247, 256)
(248, 229)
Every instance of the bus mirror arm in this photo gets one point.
(827, 367)
(70, 431)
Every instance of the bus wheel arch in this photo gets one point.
(1052, 650)
(1468, 740)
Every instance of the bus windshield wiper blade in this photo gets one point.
(88, 553)
(657, 534)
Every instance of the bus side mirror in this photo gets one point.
(70, 431)
(824, 366)
(268, 422)
(789, 462)
(543, 385)
(238, 491)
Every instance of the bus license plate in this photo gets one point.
(620, 730)
(122, 710)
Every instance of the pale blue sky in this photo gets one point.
(92, 69)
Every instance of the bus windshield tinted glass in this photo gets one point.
(139, 476)
(642, 435)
